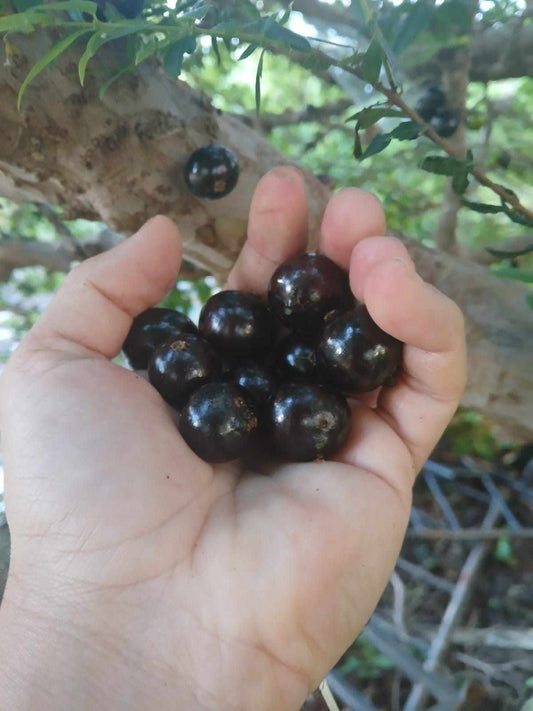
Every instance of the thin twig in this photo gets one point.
(469, 534)
(60, 227)
(453, 611)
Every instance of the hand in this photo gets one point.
(142, 577)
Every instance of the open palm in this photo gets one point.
(176, 584)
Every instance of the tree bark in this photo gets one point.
(120, 161)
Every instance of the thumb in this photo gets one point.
(94, 307)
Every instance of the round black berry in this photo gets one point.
(257, 380)
(355, 354)
(218, 422)
(238, 324)
(151, 328)
(308, 422)
(431, 102)
(446, 123)
(211, 172)
(295, 358)
(305, 288)
(180, 366)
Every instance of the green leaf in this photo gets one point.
(460, 183)
(100, 38)
(55, 51)
(21, 5)
(369, 116)
(504, 254)
(285, 17)
(523, 275)
(289, 38)
(354, 59)
(24, 22)
(196, 13)
(173, 60)
(357, 148)
(173, 57)
(372, 61)
(153, 46)
(445, 165)
(105, 86)
(416, 21)
(482, 207)
(406, 131)
(66, 5)
(529, 300)
(270, 28)
(377, 144)
(258, 76)
(248, 51)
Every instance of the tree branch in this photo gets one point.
(455, 81)
(268, 121)
(119, 160)
(500, 51)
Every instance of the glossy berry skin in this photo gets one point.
(211, 172)
(305, 288)
(257, 380)
(295, 358)
(307, 422)
(355, 355)
(151, 328)
(431, 102)
(446, 123)
(218, 422)
(238, 324)
(181, 365)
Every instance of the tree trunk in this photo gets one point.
(120, 160)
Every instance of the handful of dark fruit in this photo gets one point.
(267, 375)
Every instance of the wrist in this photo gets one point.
(54, 656)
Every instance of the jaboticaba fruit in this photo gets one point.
(446, 123)
(211, 172)
(305, 288)
(238, 324)
(295, 358)
(431, 102)
(354, 354)
(257, 380)
(151, 328)
(308, 422)
(181, 365)
(218, 422)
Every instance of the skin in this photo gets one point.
(142, 577)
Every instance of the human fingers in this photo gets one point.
(431, 325)
(350, 216)
(93, 310)
(277, 229)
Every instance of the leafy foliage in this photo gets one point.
(172, 34)
(205, 41)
